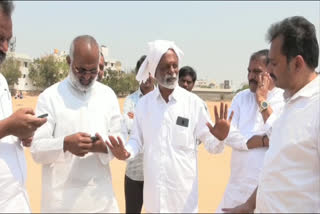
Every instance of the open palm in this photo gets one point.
(222, 125)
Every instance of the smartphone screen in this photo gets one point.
(43, 115)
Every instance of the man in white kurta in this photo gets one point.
(13, 195)
(296, 163)
(77, 180)
(16, 131)
(248, 125)
(290, 178)
(167, 123)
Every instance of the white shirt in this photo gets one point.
(71, 183)
(246, 163)
(170, 154)
(13, 195)
(134, 169)
(290, 178)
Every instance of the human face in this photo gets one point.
(85, 66)
(186, 82)
(167, 70)
(279, 69)
(255, 69)
(148, 85)
(5, 35)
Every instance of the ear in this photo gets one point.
(299, 62)
(68, 60)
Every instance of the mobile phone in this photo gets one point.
(94, 139)
(43, 115)
(181, 121)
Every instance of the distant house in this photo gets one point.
(24, 82)
(110, 64)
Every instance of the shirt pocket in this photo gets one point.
(182, 138)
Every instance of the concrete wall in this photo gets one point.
(214, 95)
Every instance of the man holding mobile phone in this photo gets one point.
(16, 130)
(71, 148)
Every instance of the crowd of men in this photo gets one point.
(272, 127)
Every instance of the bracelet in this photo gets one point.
(263, 137)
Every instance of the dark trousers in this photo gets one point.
(133, 194)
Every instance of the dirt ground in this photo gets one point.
(214, 171)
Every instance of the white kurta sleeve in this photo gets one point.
(135, 143)
(114, 129)
(46, 149)
(276, 111)
(235, 139)
(127, 123)
(211, 143)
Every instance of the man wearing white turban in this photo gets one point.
(167, 123)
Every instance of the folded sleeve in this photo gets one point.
(235, 139)
(135, 143)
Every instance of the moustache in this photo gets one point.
(253, 82)
(273, 76)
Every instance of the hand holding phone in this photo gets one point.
(94, 138)
(43, 115)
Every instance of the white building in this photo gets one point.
(212, 84)
(24, 82)
(110, 64)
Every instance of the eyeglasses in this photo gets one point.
(84, 71)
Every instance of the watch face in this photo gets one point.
(264, 104)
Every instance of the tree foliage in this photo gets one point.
(122, 83)
(46, 71)
(10, 69)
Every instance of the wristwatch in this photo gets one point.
(263, 106)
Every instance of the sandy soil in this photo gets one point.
(214, 171)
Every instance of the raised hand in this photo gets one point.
(117, 148)
(264, 81)
(222, 125)
(23, 123)
(78, 144)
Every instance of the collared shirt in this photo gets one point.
(246, 163)
(71, 183)
(170, 154)
(290, 178)
(13, 195)
(134, 168)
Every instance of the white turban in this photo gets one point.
(156, 49)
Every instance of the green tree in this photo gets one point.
(46, 71)
(133, 84)
(10, 69)
(122, 83)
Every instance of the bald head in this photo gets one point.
(84, 60)
(84, 46)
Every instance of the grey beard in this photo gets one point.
(77, 84)
(167, 85)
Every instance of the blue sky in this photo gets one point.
(216, 37)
